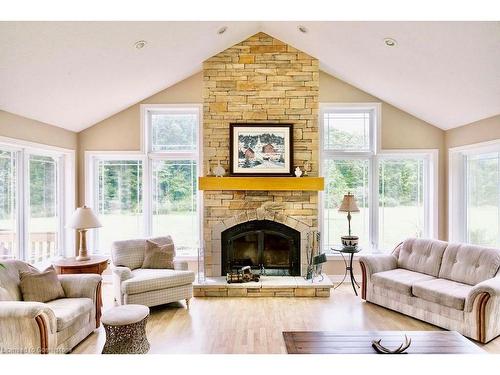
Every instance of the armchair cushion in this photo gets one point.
(444, 292)
(399, 280)
(145, 280)
(68, 310)
(130, 253)
(40, 286)
(158, 256)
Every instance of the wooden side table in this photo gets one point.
(96, 264)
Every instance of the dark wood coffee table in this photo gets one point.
(423, 342)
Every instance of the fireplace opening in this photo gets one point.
(269, 247)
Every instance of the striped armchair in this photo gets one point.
(143, 286)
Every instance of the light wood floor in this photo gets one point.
(255, 325)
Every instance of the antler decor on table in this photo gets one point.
(376, 344)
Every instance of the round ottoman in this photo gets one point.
(126, 330)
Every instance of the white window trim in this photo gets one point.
(147, 158)
(457, 186)
(375, 155)
(66, 186)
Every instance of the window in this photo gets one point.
(35, 199)
(153, 193)
(119, 200)
(8, 203)
(475, 194)
(394, 190)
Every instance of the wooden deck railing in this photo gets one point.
(42, 245)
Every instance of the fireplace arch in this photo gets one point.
(269, 247)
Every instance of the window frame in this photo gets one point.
(374, 156)
(148, 156)
(65, 199)
(458, 230)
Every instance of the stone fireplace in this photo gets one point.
(260, 80)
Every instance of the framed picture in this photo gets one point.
(261, 149)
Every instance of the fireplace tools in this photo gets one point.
(244, 275)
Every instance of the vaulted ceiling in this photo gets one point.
(74, 74)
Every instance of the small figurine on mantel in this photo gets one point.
(298, 172)
(219, 170)
(307, 168)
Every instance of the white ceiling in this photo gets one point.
(74, 74)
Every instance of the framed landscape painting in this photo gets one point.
(261, 149)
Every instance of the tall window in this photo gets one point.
(8, 204)
(119, 200)
(34, 202)
(173, 151)
(151, 193)
(393, 190)
(475, 194)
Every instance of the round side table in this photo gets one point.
(96, 264)
(125, 328)
(348, 266)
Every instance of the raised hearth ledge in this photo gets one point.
(268, 286)
(262, 183)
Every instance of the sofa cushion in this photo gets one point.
(130, 253)
(399, 280)
(9, 279)
(421, 255)
(444, 292)
(68, 310)
(469, 264)
(145, 280)
(40, 286)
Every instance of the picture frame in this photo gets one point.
(261, 149)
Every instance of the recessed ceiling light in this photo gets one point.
(389, 42)
(222, 30)
(140, 44)
(302, 29)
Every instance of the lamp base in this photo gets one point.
(350, 241)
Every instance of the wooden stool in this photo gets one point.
(126, 330)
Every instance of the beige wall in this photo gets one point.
(484, 130)
(400, 130)
(14, 126)
(122, 131)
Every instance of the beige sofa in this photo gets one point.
(454, 286)
(52, 327)
(149, 287)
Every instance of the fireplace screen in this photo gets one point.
(267, 246)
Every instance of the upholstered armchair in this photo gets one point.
(148, 286)
(53, 327)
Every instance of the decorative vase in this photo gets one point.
(350, 241)
(298, 172)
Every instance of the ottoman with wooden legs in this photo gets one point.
(125, 328)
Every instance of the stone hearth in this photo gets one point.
(268, 286)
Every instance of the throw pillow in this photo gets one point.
(40, 286)
(158, 256)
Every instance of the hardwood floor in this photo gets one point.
(255, 325)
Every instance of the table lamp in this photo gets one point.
(82, 219)
(349, 205)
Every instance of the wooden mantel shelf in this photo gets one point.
(262, 183)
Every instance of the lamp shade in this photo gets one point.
(84, 218)
(349, 204)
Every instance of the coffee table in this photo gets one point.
(352, 342)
